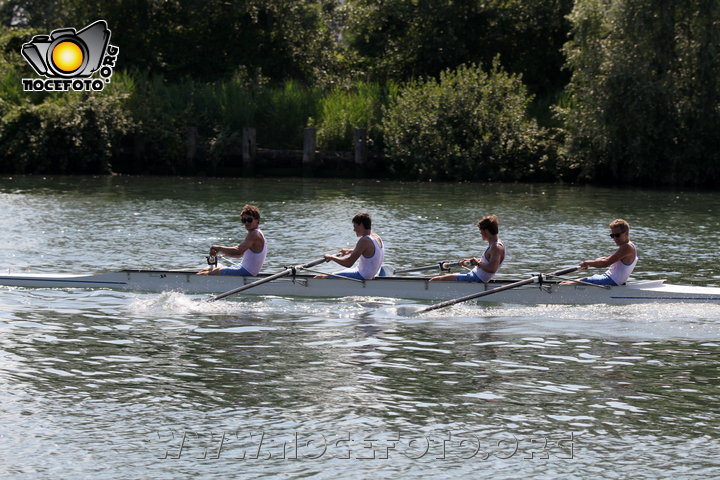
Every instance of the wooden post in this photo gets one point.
(248, 147)
(191, 142)
(309, 141)
(360, 146)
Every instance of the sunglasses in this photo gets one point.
(247, 219)
(616, 235)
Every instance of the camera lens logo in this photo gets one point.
(68, 59)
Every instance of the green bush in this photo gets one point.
(53, 132)
(72, 133)
(468, 125)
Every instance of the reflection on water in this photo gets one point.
(107, 384)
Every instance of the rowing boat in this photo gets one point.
(410, 287)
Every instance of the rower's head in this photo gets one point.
(362, 223)
(250, 216)
(489, 225)
(620, 231)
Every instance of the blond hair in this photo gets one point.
(621, 224)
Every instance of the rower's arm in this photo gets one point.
(238, 250)
(350, 260)
(602, 262)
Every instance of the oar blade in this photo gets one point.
(408, 310)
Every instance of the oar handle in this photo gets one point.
(442, 266)
(287, 271)
(534, 279)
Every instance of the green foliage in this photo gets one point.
(343, 110)
(55, 132)
(643, 105)
(12, 67)
(73, 133)
(159, 111)
(402, 40)
(205, 39)
(645, 91)
(163, 111)
(283, 113)
(469, 125)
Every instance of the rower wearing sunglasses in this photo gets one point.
(621, 263)
(252, 250)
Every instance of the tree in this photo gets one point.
(644, 99)
(204, 39)
(401, 40)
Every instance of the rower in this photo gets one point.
(369, 249)
(621, 263)
(253, 248)
(489, 262)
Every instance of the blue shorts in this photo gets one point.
(467, 277)
(235, 270)
(600, 279)
(348, 274)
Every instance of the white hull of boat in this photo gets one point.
(415, 288)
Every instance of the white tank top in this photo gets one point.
(619, 272)
(368, 267)
(482, 274)
(253, 261)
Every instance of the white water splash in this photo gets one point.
(169, 303)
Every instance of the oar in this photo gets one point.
(442, 266)
(287, 271)
(533, 279)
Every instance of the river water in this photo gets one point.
(126, 385)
